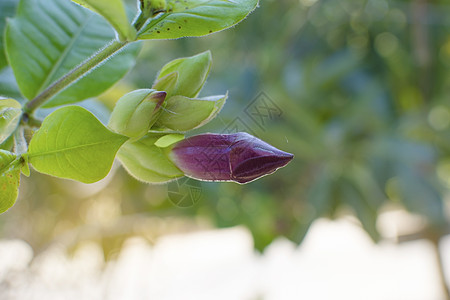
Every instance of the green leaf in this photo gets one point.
(419, 195)
(169, 139)
(9, 179)
(184, 18)
(362, 192)
(10, 114)
(191, 73)
(48, 38)
(357, 200)
(147, 162)
(8, 144)
(182, 113)
(72, 143)
(113, 11)
(7, 9)
(318, 202)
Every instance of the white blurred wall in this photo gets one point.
(336, 261)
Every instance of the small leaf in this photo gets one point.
(196, 18)
(48, 38)
(169, 139)
(10, 114)
(182, 113)
(113, 11)
(147, 162)
(192, 73)
(9, 179)
(26, 167)
(72, 143)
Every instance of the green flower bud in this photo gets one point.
(10, 114)
(136, 112)
(166, 83)
(192, 73)
(183, 114)
(147, 162)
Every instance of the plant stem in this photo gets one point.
(20, 144)
(78, 72)
(139, 22)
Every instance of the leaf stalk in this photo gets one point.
(75, 74)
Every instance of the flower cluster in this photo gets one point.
(155, 154)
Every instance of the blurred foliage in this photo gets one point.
(363, 87)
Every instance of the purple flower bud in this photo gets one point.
(236, 157)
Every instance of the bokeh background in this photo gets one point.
(358, 91)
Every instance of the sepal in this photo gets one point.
(136, 112)
(182, 114)
(192, 73)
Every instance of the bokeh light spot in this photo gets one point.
(307, 2)
(439, 117)
(443, 172)
(386, 43)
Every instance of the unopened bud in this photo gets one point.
(237, 157)
(183, 114)
(166, 83)
(136, 112)
(192, 73)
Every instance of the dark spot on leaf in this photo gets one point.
(210, 31)
(179, 27)
(158, 31)
(185, 21)
(168, 28)
(186, 8)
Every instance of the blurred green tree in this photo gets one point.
(362, 87)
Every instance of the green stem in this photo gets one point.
(20, 144)
(33, 122)
(75, 74)
(140, 21)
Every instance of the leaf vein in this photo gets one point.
(75, 36)
(70, 148)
